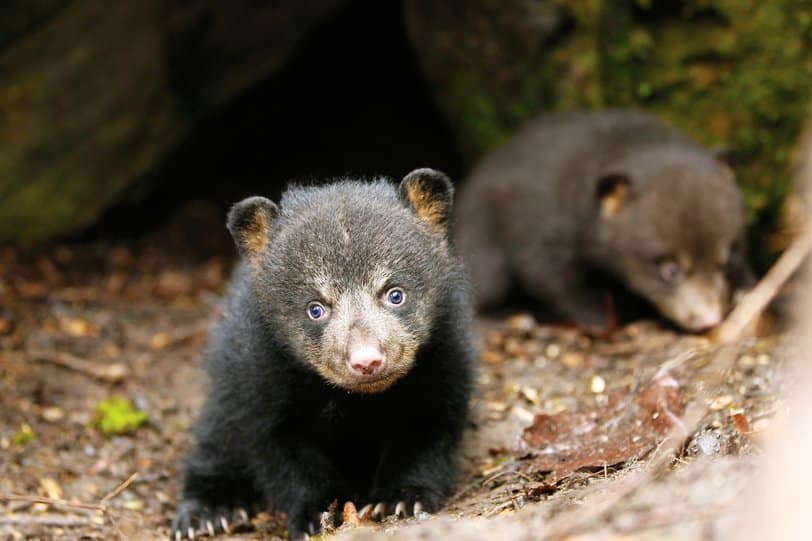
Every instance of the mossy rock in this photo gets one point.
(733, 73)
(93, 97)
(488, 61)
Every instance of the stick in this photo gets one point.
(109, 373)
(120, 488)
(47, 520)
(756, 300)
(575, 520)
(657, 517)
(53, 501)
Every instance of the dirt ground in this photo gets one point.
(558, 416)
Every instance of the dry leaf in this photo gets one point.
(626, 428)
(350, 515)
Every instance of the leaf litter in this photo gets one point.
(555, 410)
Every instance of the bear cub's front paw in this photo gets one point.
(196, 518)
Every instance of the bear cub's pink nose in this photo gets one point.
(366, 361)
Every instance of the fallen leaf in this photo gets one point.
(626, 428)
(159, 341)
(172, 283)
(328, 518)
(740, 422)
(77, 327)
(350, 515)
(50, 488)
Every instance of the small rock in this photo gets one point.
(572, 359)
(746, 361)
(523, 324)
(552, 351)
(50, 488)
(159, 341)
(52, 414)
(77, 327)
(721, 402)
(6, 325)
(531, 395)
(708, 443)
(495, 340)
(522, 414)
(134, 505)
(493, 357)
(514, 348)
(172, 284)
(597, 384)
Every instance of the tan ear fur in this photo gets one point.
(613, 192)
(430, 194)
(250, 222)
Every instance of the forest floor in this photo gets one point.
(561, 419)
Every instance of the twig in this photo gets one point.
(596, 505)
(635, 521)
(101, 507)
(48, 519)
(756, 300)
(110, 373)
(120, 488)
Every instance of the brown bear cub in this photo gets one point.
(582, 195)
(342, 366)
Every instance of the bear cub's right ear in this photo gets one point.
(249, 222)
(430, 194)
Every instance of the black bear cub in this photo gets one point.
(342, 366)
(575, 196)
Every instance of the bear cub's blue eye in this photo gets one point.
(395, 296)
(315, 310)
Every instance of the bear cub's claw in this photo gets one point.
(195, 518)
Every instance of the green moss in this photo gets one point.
(733, 73)
(21, 16)
(116, 416)
(729, 72)
(23, 436)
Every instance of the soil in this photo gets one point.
(559, 416)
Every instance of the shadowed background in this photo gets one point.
(113, 116)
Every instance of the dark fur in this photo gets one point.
(530, 214)
(275, 431)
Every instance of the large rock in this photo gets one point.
(93, 95)
(489, 62)
(730, 72)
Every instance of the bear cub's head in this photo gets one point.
(349, 276)
(672, 227)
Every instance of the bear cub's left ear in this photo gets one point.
(430, 193)
(250, 222)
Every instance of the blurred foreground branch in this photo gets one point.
(598, 503)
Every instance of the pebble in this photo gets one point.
(521, 323)
(708, 443)
(572, 359)
(52, 414)
(721, 402)
(531, 395)
(552, 351)
(492, 357)
(597, 385)
(522, 414)
(746, 361)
